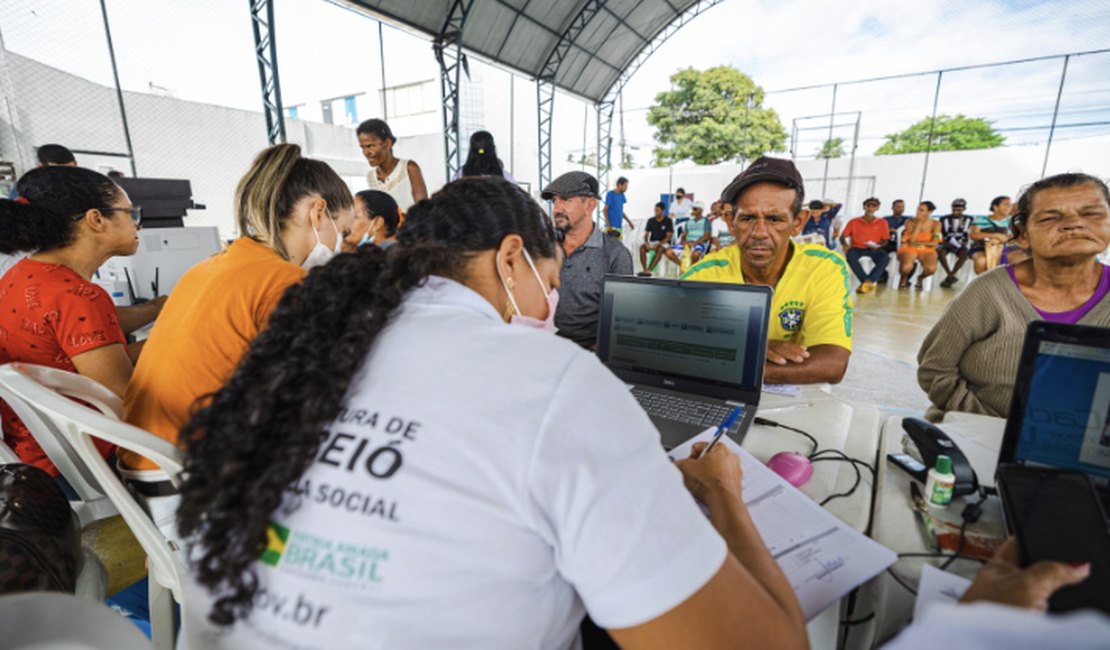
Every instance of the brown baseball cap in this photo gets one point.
(765, 168)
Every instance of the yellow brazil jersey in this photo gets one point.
(812, 304)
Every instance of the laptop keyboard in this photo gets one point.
(680, 409)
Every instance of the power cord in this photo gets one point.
(817, 454)
(771, 423)
(970, 514)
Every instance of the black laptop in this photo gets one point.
(1060, 413)
(690, 351)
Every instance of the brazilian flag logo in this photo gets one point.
(276, 536)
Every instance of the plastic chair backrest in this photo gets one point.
(78, 426)
(93, 504)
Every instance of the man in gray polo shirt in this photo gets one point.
(590, 255)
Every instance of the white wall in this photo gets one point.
(977, 176)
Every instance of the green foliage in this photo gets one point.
(713, 116)
(949, 134)
(833, 148)
(629, 162)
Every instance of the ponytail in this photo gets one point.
(277, 179)
(43, 217)
(260, 433)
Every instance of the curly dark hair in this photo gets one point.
(260, 433)
(50, 199)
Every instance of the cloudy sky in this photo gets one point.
(202, 50)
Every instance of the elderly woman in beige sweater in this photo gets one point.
(969, 360)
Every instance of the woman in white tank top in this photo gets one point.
(401, 179)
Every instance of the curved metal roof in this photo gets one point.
(582, 46)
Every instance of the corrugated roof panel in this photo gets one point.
(522, 34)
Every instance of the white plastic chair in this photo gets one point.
(78, 427)
(93, 504)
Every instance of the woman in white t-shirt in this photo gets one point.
(397, 464)
(401, 179)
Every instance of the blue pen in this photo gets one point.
(725, 426)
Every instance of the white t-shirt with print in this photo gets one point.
(524, 488)
(681, 209)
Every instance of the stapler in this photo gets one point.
(932, 442)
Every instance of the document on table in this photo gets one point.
(938, 586)
(823, 558)
(790, 390)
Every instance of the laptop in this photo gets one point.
(689, 351)
(1060, 413)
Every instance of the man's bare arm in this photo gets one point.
(826, 363)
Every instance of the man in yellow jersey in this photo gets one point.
(810, 337)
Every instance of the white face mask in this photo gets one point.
(547, 324)
(320, 254)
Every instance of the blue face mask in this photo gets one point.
(366, 239)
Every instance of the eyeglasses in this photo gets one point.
(135, 210)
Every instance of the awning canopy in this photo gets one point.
(599, 38)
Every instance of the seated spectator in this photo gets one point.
(526, 487)
(810, 337)
(680, 207)
(954, 227)
(376, 221)
(51, 313)
(697, 233)
(822, 215)
(589, 256)
(49, 155)
(919, 245)
(293, 214)
(658, 234)
(896, 220)
(969, 360)
(866, 237)
(482, 159)
(989, 235)
(613, 210)
(722, 228)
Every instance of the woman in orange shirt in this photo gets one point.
(293, 214)
(919, 244)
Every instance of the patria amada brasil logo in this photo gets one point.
(316, 556)
(276, 538)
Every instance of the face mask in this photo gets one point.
(320, 254)
(547, 324)
(366, 239)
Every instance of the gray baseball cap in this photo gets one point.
(765, 168)
(576, 183)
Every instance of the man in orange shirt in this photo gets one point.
(865, 237)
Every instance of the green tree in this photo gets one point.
(833, 148)
(948, 134)
(713, 116)
(629, 162)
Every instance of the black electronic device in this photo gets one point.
(909, 465)
(932, 442)
(1057, 515)
(164, 200)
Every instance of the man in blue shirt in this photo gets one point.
(822, 214)
(895, 221)
(613, 211)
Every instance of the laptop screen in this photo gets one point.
(706, 333)
(1066, 421)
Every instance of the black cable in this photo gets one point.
(952, 556)
(771, 423)
(970, 514)
(855, 485)
(899, 581)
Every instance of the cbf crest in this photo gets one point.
(791, 316)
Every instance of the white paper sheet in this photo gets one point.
(823, 558)
(938, 586)
(790, 390)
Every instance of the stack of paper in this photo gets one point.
(822, 557)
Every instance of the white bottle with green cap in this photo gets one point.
(940, 483)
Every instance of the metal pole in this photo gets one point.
(929, 144)
(119, 91)
(585, 132)
(794, 139)
(512, 121)
(832, 118)
(848, 197)
(381, 61)
(1055, 112)
(747, 141)
(620, 98)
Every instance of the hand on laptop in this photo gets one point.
(718, 471)
(1001, 580)
(781, 353)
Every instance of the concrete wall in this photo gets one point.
(212, 146)
(977, 176)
